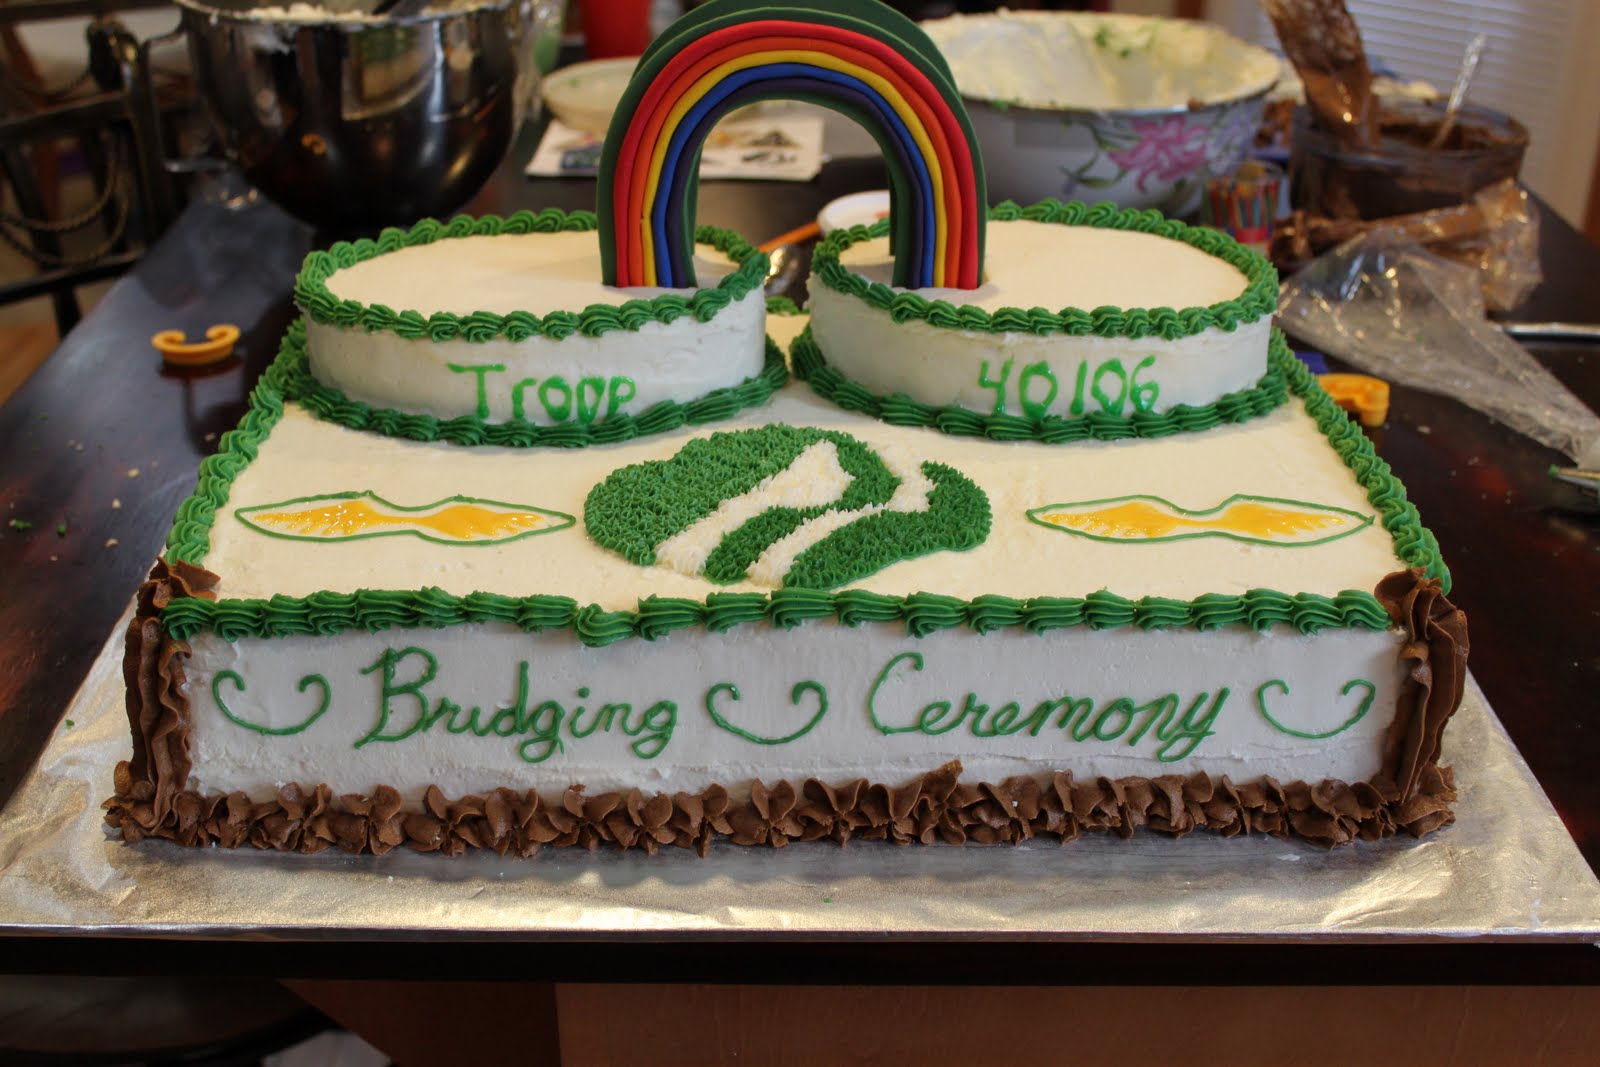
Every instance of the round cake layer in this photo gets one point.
(516, 327)
(1071, 320)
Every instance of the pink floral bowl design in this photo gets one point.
(1141, 159)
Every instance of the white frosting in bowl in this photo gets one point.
(1093, 62)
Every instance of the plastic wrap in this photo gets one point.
(1496, 234)
(1404, 314)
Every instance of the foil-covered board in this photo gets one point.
(1507, 869)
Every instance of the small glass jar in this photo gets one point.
(1403, 175)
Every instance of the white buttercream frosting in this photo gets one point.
(1043, 265)
(857, 671)
(1030, 264)
(1280, 454)
(538, 273)
(878, 681)
(1098, 62)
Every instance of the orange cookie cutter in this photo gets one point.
(1365, 397)
(177, 351)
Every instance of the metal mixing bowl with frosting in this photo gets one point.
(1139, 111)
(353, 122)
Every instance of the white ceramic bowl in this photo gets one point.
(584, 95)
(1079, 106)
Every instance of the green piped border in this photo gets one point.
(1414, 543)
(312, 294)
(922, 613)
(1259, 299)
(1269, 392)
(329, 404)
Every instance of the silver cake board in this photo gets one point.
(1507, 870)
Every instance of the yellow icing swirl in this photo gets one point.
(352, 518)
(1142, 520)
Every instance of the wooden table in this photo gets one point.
(104, 441)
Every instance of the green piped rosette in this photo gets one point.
(295, 381)
(1257, 301)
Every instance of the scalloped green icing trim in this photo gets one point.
(1259, 299)
(312, 294)
(331, 405)
(190, 537)
(1270, 391)
(326, 614)
(1414, 543)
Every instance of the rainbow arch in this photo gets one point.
(857, 57)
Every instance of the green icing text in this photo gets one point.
(1177, 729)
(589, 398)
(1170, 725)
(1034, 389)
(405, 710)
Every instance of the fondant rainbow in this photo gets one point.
(862, 59)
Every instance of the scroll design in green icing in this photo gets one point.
(799, 690)
(312, 294)
(290, 374)
(346, 516)
(237, 681)
(1313, 735)
(1291, 523)
(1259, 299)
(1269, 392)
(784, 505)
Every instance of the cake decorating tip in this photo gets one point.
(176, 351)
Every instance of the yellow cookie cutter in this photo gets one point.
(178, 352)
(1365, 397)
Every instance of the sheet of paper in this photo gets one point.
(784, 147)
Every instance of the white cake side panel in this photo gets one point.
(1042, 265)
(1024, 374)
(400, 707)
(542, 380)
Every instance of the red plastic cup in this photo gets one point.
(615, 27)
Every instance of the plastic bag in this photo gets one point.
(1497, 234)
(1404, 314)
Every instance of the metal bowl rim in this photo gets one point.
(229, 15)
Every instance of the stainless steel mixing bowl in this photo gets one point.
(352, 125)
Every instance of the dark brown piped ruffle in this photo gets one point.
(932, 809)
(1436, 649)
(152, 668)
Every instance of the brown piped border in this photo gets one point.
(1412, 793)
